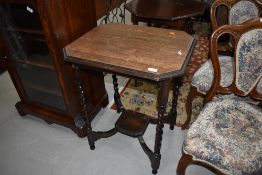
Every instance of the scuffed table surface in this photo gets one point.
(140, 51)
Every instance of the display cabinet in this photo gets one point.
(34, 33)
(2, 57)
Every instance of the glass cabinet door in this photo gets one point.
(23, 34)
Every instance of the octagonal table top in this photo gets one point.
(168, 10)
(139, 51)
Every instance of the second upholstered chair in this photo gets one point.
(237, 12)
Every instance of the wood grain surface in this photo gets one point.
(132, 48)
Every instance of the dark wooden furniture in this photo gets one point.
(152, 54)
(2, 57)
(228, 128)
(175, 13)
(34, 33)
(231, 16)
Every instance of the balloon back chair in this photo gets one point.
(227, 135)
(238, 11)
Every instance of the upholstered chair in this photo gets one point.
(238, 11)
(227, 135)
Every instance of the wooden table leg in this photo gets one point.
(173, 111)
(84, 111)
(117, 99)
(84, 120)
(189, 26)
(162, 99)
(134, 19)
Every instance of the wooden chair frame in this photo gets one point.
(228, 4)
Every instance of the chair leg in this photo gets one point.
(149, 24)
(134, 19)
(183, 163)
(136, 83)
(191, 95)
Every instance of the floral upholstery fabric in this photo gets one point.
(242, 11)
(246, 99)
(228, 135)
(203, 77)
(249, 60)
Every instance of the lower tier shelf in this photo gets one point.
(132, 123)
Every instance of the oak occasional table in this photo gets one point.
(153, 54)
(175, 13)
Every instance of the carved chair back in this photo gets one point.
(247, 60)
(238, 11)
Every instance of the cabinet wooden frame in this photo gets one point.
(62, 21)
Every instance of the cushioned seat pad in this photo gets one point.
(227, 133)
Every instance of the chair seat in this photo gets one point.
(226, 134)
(204, 76)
